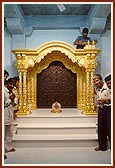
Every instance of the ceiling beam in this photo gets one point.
(97, 18)
(55, 22)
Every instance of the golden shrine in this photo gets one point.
(80, 61)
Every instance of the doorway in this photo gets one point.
(56, 82)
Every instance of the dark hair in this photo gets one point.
(98, 75)
(85, 30)
(108, 78)
(6, 72)
(5, 82)
(10, 81)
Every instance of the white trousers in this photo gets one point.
(8, 135)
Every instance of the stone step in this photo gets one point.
(45, 129)
(56, 129)
(68, 115)
(69, 119)
(35, 141)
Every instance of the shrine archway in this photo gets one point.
(79, 61)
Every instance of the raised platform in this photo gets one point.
(42, 128)
(68, 115)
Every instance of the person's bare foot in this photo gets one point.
(11, 150)
(97, 149)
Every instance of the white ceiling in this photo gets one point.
(53, 9)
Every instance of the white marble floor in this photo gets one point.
(55, 156)
(58, 156)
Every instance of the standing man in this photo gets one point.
(81, 41)
(103, 105)
(6, 74)
(8, 117)
(108, 82)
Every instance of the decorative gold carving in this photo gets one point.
(79, 61)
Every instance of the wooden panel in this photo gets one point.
(56, 83)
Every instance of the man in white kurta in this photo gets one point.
(8, 119)
(104, 108)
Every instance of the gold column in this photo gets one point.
(79, 87)
(22, 71)
(92, 107)
(91, 63)
(25, 105)
(28, 89)
(87, 107)
(29, 92)
(33, 90)
(84, 90)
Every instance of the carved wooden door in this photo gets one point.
(56, 83)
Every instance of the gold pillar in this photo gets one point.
(90, 67)
(22, 71)
(20, 106)
(80, 102)
(88, 92)
(89, 105)
(34, 90)
(25, 104)
(84, 90)
(28, 89)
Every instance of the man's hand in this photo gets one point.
(12, 97)
(102, 101)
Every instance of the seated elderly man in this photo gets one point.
(56, 107)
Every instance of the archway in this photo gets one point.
(79, 61)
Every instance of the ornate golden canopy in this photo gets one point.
(80, 61)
